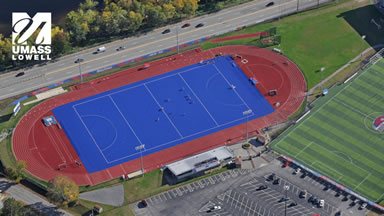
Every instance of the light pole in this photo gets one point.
(246, 113)
(362, 45)
(141, 147)
(297, 9)
(321, 84)
(277, 104)
(286, 188)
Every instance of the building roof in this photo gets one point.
(189, 163)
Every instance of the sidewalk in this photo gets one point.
(22, 194)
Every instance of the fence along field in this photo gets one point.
(338, 139)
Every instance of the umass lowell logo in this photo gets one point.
(378, 123)
(23, 27)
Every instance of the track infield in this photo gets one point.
(338, 140)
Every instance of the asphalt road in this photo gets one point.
(223, 21)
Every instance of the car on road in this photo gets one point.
(303, 194)
(166, 31)
(321, 203)
(270, 4)
(120, 48)
(185, 25)
(100, 50)
(78, 60)
(19, 74)
(199, 25)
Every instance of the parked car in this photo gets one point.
(363, 206)
(263, 187)
(120, 48)
(283, 199)
(78, 60)
(321, 203)
(312, 199)
(286, 164)
(20, 74)
(338, 213)
(327, 186)
(292, 204)
(277, 181)
(199, 25)
(297, 170)
(304, 174)
(270, 4)
(214, 208)
(338, 193)
(271, 177)
(303, 194)
(144, 203)
(185, 25)
(166, 31)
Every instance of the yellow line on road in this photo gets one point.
(168, 38)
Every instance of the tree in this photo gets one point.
(155, 16)
(11, 173)
(20, 166)
(88, 5)
(136, 19)
(12, 207)
(62, 190)
(60, 43)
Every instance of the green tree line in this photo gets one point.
(114, 17)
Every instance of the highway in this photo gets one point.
(216, 23)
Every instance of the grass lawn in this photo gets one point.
(338, 139)
(327, 37)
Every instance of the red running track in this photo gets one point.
(45, 149)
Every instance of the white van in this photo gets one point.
(100, 49)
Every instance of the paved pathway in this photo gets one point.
(112, 196)
(22, 194)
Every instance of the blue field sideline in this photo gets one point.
(159, 112)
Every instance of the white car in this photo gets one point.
(297, 170)
(363, 206)
(321, 203)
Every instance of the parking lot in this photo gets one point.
(237, 192)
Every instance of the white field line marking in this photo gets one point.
(362, 181)
(166, 115)
(326, 166)
(198, 99)
(229, 84)
(90, 134)
(126, 121)
(351, 108)
(304, 149)
(320, 108)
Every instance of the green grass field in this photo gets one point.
(337, 138)
(326, 37)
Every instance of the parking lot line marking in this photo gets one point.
(200, 184)
(169, 195)
(164, 196)
(174, 193)
(190, 188)
(206, 182)
(211, 180)
(179, 192)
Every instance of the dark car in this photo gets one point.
(199, 25)
(303, 194)
(312, 199)
(166, 31)
(277, 181)
(185, 25)
(270, 4)
(271, 177)
(263, 187)
(20, 74)
(283, 199)
(144, 203)
(79, 60)
(120, 48)
(292, 204)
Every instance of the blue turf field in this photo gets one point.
(159, 112)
